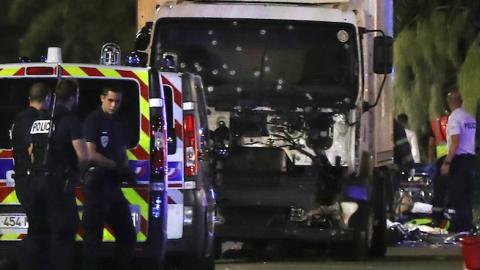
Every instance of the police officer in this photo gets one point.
(39, 102)
(58, 150)
(104, 202)
(39, 99)
(459, 163)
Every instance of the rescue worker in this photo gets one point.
(104, 202)
(58, 151)
(403, 160)
(459, 163)
(437, 151)
(411, 137)
(438, 138)
(39, 101)
(402, 153)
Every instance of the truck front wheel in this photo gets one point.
(362, 223)
(379, 207)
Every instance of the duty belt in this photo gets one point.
(47, 173)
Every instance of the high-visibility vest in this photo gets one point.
(439, 129)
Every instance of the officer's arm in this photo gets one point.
(455, 140)
(97, 158)
(81, 150)
(30, 152)
(125, 157)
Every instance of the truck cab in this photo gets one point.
(300, 112)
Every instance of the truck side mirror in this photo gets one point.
(142, 39)
(383, 54)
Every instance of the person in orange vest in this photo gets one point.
(438, 139)
(436, 154)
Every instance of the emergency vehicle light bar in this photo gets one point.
(110, 54)
(54, 55)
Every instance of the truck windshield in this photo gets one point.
(263, 62)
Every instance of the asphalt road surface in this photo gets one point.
(404, 258)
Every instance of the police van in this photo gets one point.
(153, 106)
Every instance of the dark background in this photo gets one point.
(79, 27)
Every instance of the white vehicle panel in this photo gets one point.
(175, 221)
(256, 11)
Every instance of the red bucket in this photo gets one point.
(471, 252)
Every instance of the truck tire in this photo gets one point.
(218, 248)
(362, 224)
(379, 206)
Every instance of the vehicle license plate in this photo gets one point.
(13, 221)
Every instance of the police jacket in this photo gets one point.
(108, 133)
(52, 141)
(20, 132)
(402, 153)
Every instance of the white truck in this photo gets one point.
(300, 111)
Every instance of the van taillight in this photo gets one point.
(190, 141)
(157, 147)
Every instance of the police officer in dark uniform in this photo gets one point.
(39, 102)
(58, 152)
(104, 202)
(39, 99)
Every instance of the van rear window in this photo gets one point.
(14, 93)
(172, 137)
(89, 100)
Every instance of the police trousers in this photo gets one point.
(53, 222)
(460, 191)
(104, 204)
(21, 185)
